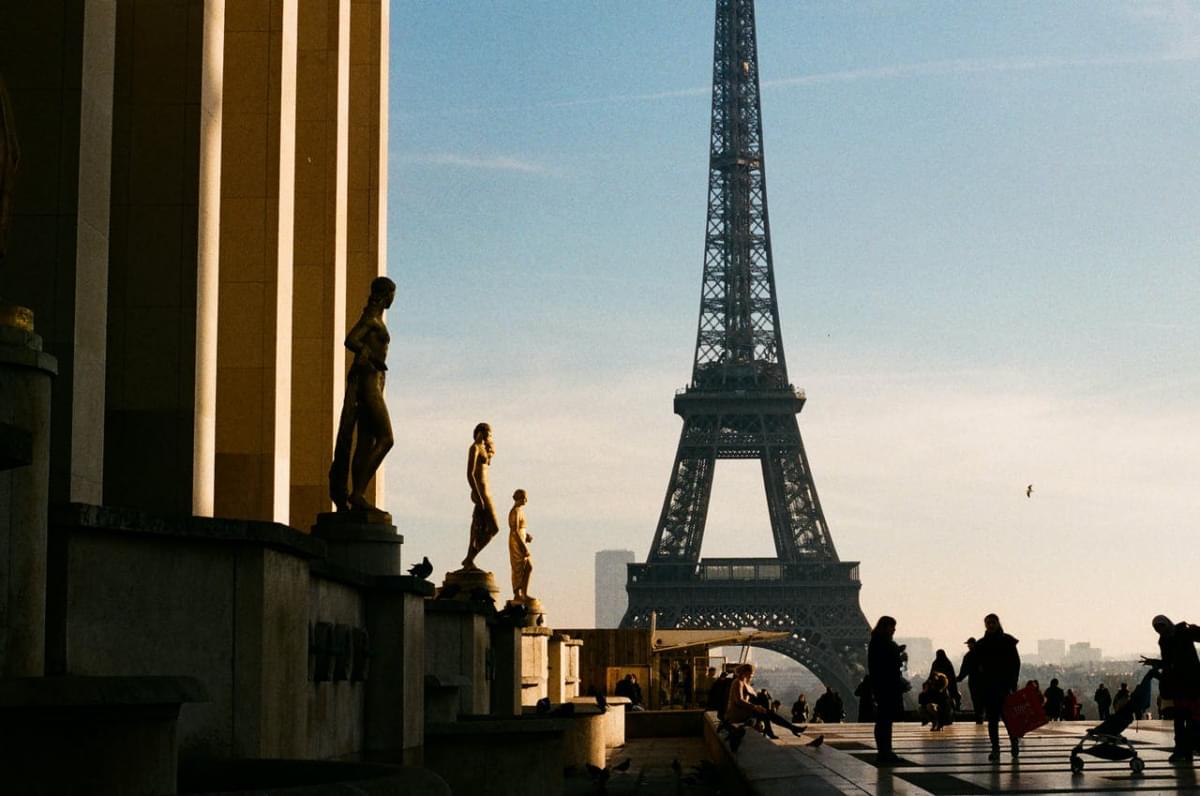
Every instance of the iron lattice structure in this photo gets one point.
(741, 405)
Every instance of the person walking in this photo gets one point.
(888, 685)
(1103, 701)
(998, 666)
(1179, 681)
(966, 671)
(1053, 701)
(942, 664)
(800, 710)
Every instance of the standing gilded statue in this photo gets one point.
(364, 421)
(484, 524)
(518, 547)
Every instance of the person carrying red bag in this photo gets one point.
(998, 669)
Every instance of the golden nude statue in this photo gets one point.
(364, 420)
(484, 524)
(518, 547)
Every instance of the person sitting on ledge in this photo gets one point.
(741, 708)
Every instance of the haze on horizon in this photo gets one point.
(986, 252)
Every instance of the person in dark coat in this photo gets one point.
(1053, 701)
(800, 710)
(866, 702)
(1179, 681)
(718, 694)
(998, 665)
(829, 708)
(1103, 701)
(884, 658)
(966, 671)
(942, 664)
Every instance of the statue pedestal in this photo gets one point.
(25, 375)
(564, 667)
(535, 664)
(457, 653)
(535, 614)
(469, 585)
(365, 541)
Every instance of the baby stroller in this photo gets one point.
(1105, 740)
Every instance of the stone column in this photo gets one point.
(25, 373)
(506, 652)
(394, 725)
(254, 337)
(57, 59)
(319, 304)
(161, 174)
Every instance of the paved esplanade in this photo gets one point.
(954, 761)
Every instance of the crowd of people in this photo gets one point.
(991, 670)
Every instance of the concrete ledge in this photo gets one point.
(86, 517)
(506, 756)
(86, 692)
(761, 768)
(95, 735)
(614, 718)
(664, 723)
(307, 778)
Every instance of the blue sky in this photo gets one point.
(986, 250)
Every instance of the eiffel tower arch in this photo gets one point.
(741, 405)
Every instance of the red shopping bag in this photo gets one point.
(1023, 711)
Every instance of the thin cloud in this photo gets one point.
(1186, 47)
(496, 163)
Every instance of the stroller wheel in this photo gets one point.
(1137, 765)
(1076, 764)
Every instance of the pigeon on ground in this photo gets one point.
(422, 570)
(624, 765)
(820, 739)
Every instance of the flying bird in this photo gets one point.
(820, 739)
(1029, 491)
(422, 570)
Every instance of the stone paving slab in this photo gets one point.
(954, 761)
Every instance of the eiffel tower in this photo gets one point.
(740, 405)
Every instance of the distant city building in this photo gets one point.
(920, 654)
(1082, 652)
(1052, 651)
(611, 599)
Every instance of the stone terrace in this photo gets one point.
(953, 761)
